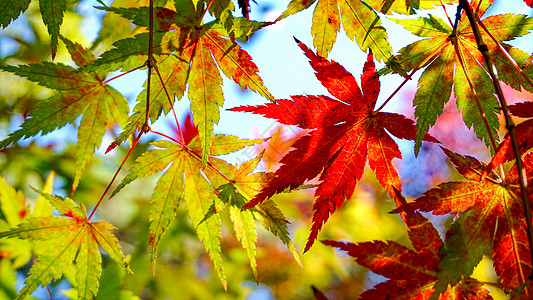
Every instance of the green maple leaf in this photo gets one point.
(52, 12)
(11, 9)
(359, 21)
(404, 6)
(77, 94)
(67, 242)
(243, 186)
(188, 53)
(14, 210)
(186, 181)
(222, 10)
(447, 52)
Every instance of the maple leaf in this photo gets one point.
(447, 52)
(359, 21)
(188, 54)
(77, 94)
(404, 6)
(529, 2)
(345, 133)
(11, 9)
(185, 180)
(52, 12)
(14, 210)
(412, 273)
(490, 213)
(65, 242)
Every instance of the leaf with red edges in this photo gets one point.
(67, 243)
(452, 57)
(491, 214)
(346, 132)
(190, 54)
(412, 273)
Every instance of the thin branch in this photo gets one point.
(170, 102)
(420, 65)
(444, 8)
(150, 62)
(511, 60)
(509, 124)
(115, 176)
(113, 78)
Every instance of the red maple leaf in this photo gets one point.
(345, 133)
(529, 2)
(412, 273)
(490, 215)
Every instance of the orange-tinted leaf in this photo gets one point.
(491, 213)
(189, 54)
(447, 52)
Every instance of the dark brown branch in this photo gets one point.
(150, 63)
(509, 124)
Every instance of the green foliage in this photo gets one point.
(196, 214)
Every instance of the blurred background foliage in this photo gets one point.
(184, 269)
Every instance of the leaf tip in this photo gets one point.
(318, 294)
(112, 146)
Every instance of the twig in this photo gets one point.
(170, 102)
(420, 65)
(115, 176)
(444, 8)
(150, 63)
(509, 124)
(502, 50)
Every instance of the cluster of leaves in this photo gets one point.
(183, 52)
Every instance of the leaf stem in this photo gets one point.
(115, 176)
(420, 65)
(509, 124)
(150, 62)
(206, 9)
(113, 78)
(49, 292)
(445, 12)
(170, 102)
(507, 55)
